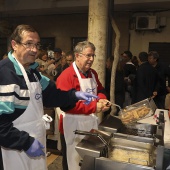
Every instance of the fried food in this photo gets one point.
(142, 112)
(130, 156)
(133, 115)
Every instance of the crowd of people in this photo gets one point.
(140, 77)
(53, 62)
(32, 77)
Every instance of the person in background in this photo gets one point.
(109, 63)
(129, 73)
(23, 92)
(167, 99)
(83, 117)
(70, 57)
(146, 79)
(135, 61)
(119, 83)
(153, 58)
(61, 67)
(57, 56)
(44, 62)
(119, 86)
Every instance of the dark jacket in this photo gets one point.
(119, 86)
(145, 82)
(15, 99)
(162, 74)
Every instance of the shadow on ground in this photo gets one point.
(56, 165)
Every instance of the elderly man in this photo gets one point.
(23, 92)
(82, 117)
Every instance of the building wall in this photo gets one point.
(62, 27)
(122, 21)
(139, 41)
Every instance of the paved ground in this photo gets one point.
(56, 165)
(52, 147)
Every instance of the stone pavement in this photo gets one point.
(57, 164)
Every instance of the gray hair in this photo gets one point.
(82, 45)
(154, 54)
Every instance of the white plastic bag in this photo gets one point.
(47, 119)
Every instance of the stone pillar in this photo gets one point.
(97, 34)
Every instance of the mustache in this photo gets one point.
(33, 53)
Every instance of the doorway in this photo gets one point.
(163, 50)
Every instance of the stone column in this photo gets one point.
(97, 33)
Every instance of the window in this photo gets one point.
(48, 43)
(75, 40)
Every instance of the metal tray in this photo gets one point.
(127, 151)
(139, 129)
(137, 111)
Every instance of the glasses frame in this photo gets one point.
(30, 45)
(88, 55)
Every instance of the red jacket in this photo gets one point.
(68, 80)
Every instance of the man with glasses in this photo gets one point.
(83, 117)
(23, 91)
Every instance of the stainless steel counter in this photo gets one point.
(93, 151)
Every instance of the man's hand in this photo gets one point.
(99, 107)
(35, 149)
(102, 105)
(155, 93)
(106, 104)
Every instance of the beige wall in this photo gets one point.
(122, 21)
(139, 41)
(62, 27)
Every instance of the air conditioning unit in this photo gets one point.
(146, 22)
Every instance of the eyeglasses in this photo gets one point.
(88, 55)
(30, 45)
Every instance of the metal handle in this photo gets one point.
(113, 105)
(103, 140)
(80, 132)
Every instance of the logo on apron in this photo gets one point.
(38, 96)
(88, 90)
